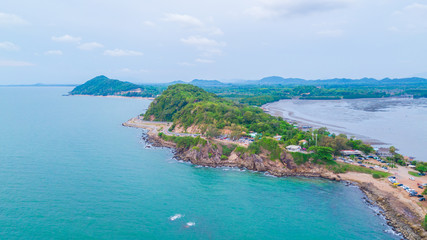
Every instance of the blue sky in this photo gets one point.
(160, 41)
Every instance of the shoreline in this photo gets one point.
(111, 96)
(363, 119)
(290, 117)
(402, 215)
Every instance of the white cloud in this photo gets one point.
(331, 33)
(207, 47)
(13, 63)
(393, 29)
(7, 19)
(183, 19)
(53, 52)
(149, 23)
(416, 7)
(201, 41)
(283, 8)
(122, 53)
(67, 38)
(412, 18)
(200, 60)
(129, 70)
(193, 23)
(90, 46)
(186, 64)
(9, 46)
(215, 31)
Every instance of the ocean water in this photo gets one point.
(69, 170)
(401, 122)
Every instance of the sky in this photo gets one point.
(159, 41)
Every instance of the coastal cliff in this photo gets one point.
(403, 218)
(207, 130)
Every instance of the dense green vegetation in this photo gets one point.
(269, 89)
(103, 86)
(323, 154)
(421, 167)
(344, 167)
(175, 99)
(190, 106)
(184, 142)
(259, 95)
(268, 144)
(415, 174)
(300, 158)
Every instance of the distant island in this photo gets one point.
(270, 89)
(209, 130)
(103, 86)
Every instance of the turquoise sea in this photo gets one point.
(69, 170)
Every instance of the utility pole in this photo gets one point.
(316, 139)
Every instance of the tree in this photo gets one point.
(392, 149)
(322, 153)
(212, 132)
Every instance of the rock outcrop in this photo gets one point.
(399, 216)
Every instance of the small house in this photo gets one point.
(277, 138)
(384, 152)
(351, 152)
(293, 148)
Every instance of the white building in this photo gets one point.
(293, 148)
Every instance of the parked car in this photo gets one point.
(421, 199)
(421, 174)
(419, 195)
(420, 187)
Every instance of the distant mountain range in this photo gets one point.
(276, 80)
(258, 92)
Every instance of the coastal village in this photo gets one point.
(210, 131)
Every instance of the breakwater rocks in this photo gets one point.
(398, 215)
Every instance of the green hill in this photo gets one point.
(104, 86)
(194, 110)
(190, 106)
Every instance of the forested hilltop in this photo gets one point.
(104, 86)
(269, 89)
(193, 110)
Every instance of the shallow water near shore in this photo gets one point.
(68, 169)
(401, 122)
